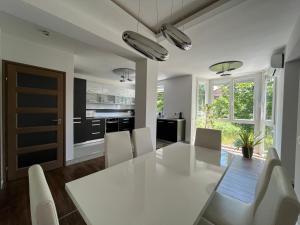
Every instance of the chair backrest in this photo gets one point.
(142, 141)
(42, 205)
(271, 161)
(208, 138)
(117, 148)
(279, 205)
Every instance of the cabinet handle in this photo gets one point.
(77, 122)
(95, 121)
(58, 121)
(171, 122)
(159, 121)
(77, 118)
(96, 133)
(96, 124)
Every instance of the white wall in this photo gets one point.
(146, 95)
(27, 52)
(278, 110)
(180, 97)
(291, 116)
(297, 161)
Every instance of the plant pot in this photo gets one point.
(247, 152)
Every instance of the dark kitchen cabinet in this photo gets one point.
(171, 130)
(79, 98)
(79, 110)
(126, 124)
(95, 128)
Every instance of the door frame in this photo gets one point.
(5, 108)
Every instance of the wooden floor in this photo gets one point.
(14, 200)
(239, 182)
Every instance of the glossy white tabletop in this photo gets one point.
(168, 187)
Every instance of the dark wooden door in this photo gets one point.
(34, 118)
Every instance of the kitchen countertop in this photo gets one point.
(170, 119)
(108, 117)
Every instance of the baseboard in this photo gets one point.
(84, 158)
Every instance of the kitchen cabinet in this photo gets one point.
(79, 110)
(126, 124)
(95, 128)
(171, 129)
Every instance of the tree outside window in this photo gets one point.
(160, 101)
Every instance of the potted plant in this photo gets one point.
(247, 141)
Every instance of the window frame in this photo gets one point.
(272, 121)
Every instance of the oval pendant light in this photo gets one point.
(176, 37)
(146, 46)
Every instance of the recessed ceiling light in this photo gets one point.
(45, 33)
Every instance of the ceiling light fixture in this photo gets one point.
(144, 45)
(227, 66)
(176, 36)
(124, 73)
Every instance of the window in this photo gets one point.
(220, 101)
(269, 98)
(243, 100)
(268, 138)
(201, 105)
(160, 102)
(201, 97)
(269, 113)
(232, 103)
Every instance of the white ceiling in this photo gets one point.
(249, 32)
(88, 59)
(153, 13)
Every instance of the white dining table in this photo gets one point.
(171, 186)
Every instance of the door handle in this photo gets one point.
(58, 121)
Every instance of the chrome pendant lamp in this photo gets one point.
(144, 45)
(176, 36)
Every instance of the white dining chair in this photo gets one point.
(42, 207)
(142, 141)
(208, 138)
(279, 205)
(225, 210)
(117, 148)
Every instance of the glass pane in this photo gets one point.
(35, 100)
(268, 138)
(160, 102)
(230, 131)
(201, 107)
(29, 159)
(38, 138)
(269, 98)
(36, 119)
(34, 81)
(220, 102)
(243, 100)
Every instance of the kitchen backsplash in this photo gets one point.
(109, 113)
